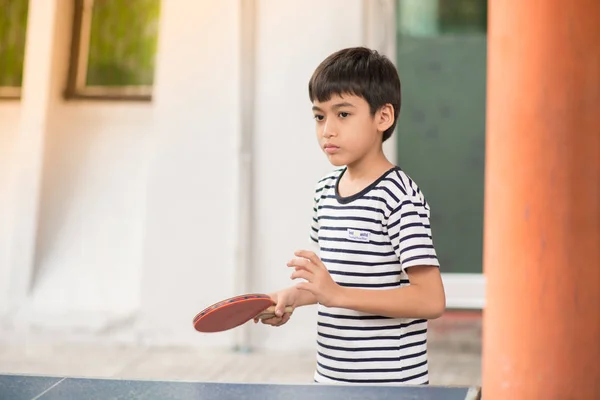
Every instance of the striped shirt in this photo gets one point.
(368, 240)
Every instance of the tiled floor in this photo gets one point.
(455, 353)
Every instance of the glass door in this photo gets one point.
(441, 58)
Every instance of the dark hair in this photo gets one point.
(361, 72)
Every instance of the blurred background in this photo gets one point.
(159, 156)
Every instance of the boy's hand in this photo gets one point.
(309, 266)
(284, 298)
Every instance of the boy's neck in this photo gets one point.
(369, 168)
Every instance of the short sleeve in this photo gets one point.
(314, 226)
(409, 230)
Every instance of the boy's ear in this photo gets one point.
(385, 117)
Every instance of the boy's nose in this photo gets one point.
(328, 130)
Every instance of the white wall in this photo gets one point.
(288, 159)
(190, 249)
(188, 256)
(138, 201)
(9, 128)
(92, 211)
(88, 232)
(138, 214)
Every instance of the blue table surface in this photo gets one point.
(31, 387)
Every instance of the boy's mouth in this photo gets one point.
(330, 149)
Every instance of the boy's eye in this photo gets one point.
(319, 117)
(344, 114)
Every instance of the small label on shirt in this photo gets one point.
(358, 236)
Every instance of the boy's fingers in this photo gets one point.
(302, 274)
(283, 320)
(275, 320)
(309, 255)
(280, 307)
(301, 263)
(271, 321)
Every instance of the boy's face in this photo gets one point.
(346, 130)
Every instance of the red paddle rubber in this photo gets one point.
(235, 311)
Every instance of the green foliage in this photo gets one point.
(13, 32)
(462, 16)
(123, 42)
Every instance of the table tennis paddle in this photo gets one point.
(235, 311)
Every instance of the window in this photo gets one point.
(441, 17)
(13, 32)
(462, 16)
(441, 56)
(114, 49)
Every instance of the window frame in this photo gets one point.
(14, 92)
(10, 92)
(76, 87)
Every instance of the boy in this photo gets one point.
(377, 280)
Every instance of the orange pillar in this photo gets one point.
(542, 207)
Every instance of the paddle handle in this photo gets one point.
(270, 312)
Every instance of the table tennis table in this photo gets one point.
(34, 387)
